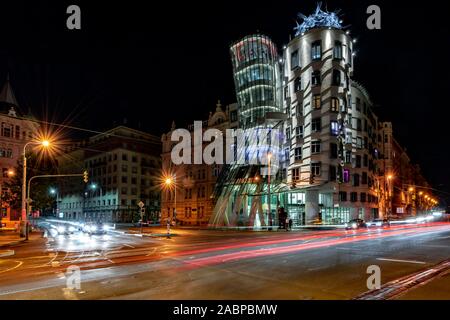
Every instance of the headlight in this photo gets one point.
(354, 225)
(93, 228)
(72, 229)
(379, 224)
(61, 229)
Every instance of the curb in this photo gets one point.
(6, 253)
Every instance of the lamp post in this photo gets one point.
(389, 178)
(169, 181)
(24, 221)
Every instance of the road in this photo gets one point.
(206, 264)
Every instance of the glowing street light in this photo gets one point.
(411, 189)
(24, 223)
(170, 181)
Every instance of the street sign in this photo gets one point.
(141, 204)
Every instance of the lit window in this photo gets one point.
(316, 50)
(317, 101)
(334, 128)
(337, 50)
(346, 175)
(334, 107)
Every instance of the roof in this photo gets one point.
(7, 93)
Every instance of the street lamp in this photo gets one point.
(24, 222)
(170, 181)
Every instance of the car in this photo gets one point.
(65, 230)
(378, 223)
(355, 224)
(95, 228)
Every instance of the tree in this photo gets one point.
(41, 199)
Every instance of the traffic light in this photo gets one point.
(311, 179)
(85, 176)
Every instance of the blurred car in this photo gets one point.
(65, 230)
(95, 228)
(378, 223)
(355, 224)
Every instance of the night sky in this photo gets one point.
(151, 64)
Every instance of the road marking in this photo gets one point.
(405, 261)
(19, 263)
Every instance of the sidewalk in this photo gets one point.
(11, 238)
(437, 289)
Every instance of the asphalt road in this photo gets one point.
(204, 264)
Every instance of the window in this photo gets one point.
(316, 50)
(133, 180)
(288, 134)
(286, 92)
(363, 197)
(17, 132)
(348, 156)
(134, 169)
(358, 104)
(334, 128)
(358, 125)
(336, 78)
(359, 142)
(315, 168)
(342, 196)
(358, 161)
(298, 153)
(337, 50)
(124, 157)
(317, 102)
(133, 191)
(315, 78)
(355, 180)
(298, 84)
(316, 125)
(124, 190)
(346, 175)
(334, 105)
(124, 168)
(353, 196)
(299, 109)
(299, 132)
(333, 151)
(332, 173)
(364, 178)
(365, 160)
(294, 60)
(296, 174)
(315, 146)
(124, 179)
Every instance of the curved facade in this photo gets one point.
(317, 97)
(257, 78)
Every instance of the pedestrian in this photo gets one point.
(287, 224)
(290, 224)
